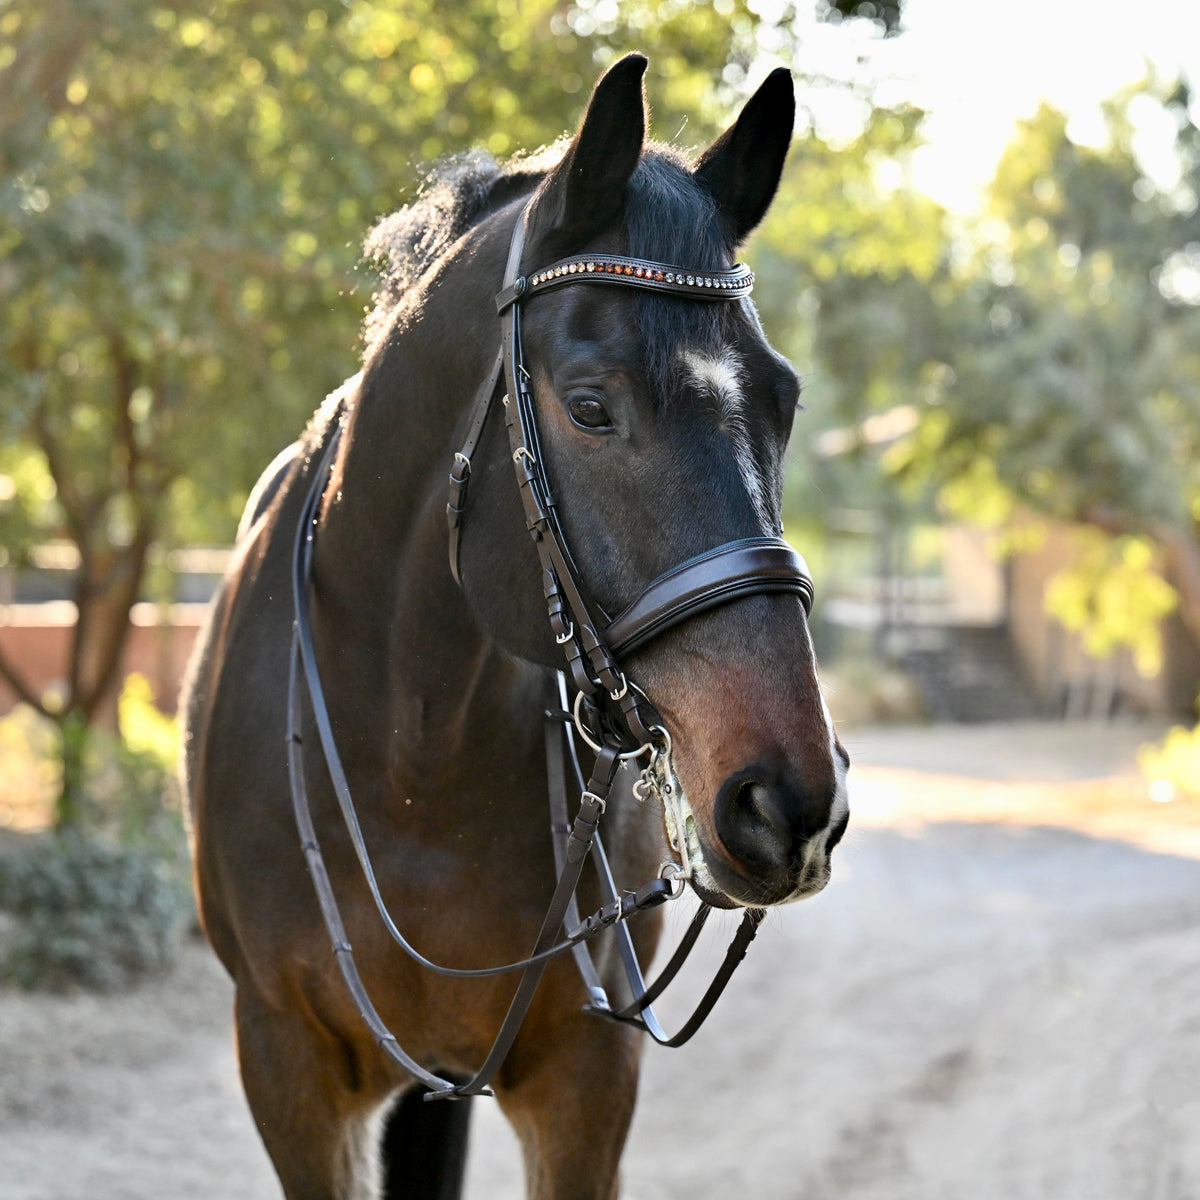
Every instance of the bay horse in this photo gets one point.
(646, 424)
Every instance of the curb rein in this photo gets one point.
(591, 643)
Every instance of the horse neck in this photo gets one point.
(386, 598)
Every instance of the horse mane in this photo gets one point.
(458, 191)
(668, 217)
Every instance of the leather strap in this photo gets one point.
(576, 843)
(735, 569)
(738, 568)
(727, 284)
(741, 568)
(639, 1012)
(579, 842)
(589, 658)
(460, 472)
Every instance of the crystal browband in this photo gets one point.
(634, 272)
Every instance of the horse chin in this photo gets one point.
(706, 889)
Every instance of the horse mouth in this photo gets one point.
(686, 842)
(811, 877)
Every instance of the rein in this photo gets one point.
(591, 642)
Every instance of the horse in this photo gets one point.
(646, 424)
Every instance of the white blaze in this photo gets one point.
(721, 378)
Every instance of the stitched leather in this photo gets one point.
(736, 569)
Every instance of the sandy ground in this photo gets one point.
(997, 999)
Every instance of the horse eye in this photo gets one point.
(588, 412)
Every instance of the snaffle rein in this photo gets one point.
(609, 712)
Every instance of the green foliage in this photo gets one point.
(1054, 355)
(187, 188)
(1077, 371)
(88, 913)
(849, 262)
(1172, 766)
(28, 767)
(129, 784)
(148, 734)
(1113, 595)
(184, 189)
(131, 781)
(183, 205)
(183, 193)
(847, 212)
(886, 12)
(105, 902)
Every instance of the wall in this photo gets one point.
(35, 640)
(1055, 661)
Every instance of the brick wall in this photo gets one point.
(35, 639)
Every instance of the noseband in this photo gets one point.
(591, 641)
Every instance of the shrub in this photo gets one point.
(1172, 766)
(29, 768)
(88, 913)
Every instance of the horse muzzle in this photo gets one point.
(773, 839)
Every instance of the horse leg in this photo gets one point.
(319, 1127)
(425, 1148)
(571, 1108)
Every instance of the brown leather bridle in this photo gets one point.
(592, 643)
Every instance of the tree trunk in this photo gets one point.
(106, 591)
(70, 808)
(1182, 553)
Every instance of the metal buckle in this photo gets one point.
(586, 795)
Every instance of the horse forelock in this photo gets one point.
(671, 218)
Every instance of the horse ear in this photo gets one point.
(585, 192)
(742, 167)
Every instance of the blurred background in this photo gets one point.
(984, 259)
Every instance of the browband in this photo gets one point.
(642, 273)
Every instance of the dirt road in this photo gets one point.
(982, 1006)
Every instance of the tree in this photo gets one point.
(1051, 349)
(183, 191)
(849, 263)
(1072, 343)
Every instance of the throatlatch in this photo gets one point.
(609, 712)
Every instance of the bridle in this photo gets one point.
(590, 639)
(609, 712)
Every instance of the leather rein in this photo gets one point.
(609, 712)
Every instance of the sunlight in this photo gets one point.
(976, 78)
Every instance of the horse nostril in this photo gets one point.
(753, 824)
(765, 819)
(756, 807)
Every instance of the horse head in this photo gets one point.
(663, 422)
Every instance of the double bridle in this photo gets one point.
(609, 712)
